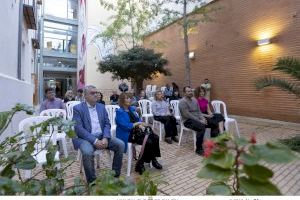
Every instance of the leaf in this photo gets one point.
(32, 187)
(218, 188)
(26, 163)
(249, 159)
(71, 134)
(273, 153)
(214, 172)
(8, 171)
(241, 142)
(224, 160)
(258, 172)
(4, 117)
(253, 187)
(9, 186)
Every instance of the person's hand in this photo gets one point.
(98, 144)
(137, 124)
(103, 143)
(203, 121)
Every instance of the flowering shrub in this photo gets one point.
(236, 168)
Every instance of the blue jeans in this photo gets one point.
(87, 151)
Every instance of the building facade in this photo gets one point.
(59, 49)
(19, 47)
(226, 51)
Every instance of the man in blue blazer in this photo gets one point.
(93, 130)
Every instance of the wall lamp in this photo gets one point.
(263, 42)
(191, 55)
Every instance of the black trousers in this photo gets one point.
(200, 129)
(169, 124)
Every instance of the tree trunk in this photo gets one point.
(138, 85)
(186, 46)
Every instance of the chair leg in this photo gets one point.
(195, 139)
(98, 161)
(109, 157)
(79, 158)
(64, 146)
(146, 120)
(129, 159)
(237, 128)
(160, 131)
(180, 137)
(226, 124)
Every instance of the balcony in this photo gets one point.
(30, 15)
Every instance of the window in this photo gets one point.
(67, 9)
(50, 62)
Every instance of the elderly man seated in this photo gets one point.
(93, 131)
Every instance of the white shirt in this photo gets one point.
(96, 128)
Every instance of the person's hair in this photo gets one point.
(122, 98)
(184, 88)
(101, 95)
(198, 90)
(155, 95)
(68, 93)
(206, 79)
(80, 90)
(87, 88)
(49, 89)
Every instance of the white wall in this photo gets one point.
(14, 90)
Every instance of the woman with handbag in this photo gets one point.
(131, 129)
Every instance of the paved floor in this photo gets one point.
(181, 164)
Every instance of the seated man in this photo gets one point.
(51, 102)
(192, 117)
(93, 130)
(114, 98)
(161, 112)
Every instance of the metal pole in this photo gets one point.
(19, 70)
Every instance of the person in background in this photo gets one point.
(207, 86)
(175, 87)
(175, 96)
(168, 93)
(142, 95)
(127, 120)
(51, 102)
(79, 96)
(161, 112)
(215, 121)
(92, 128)
(114, 98)
(69, 96)
(100, 98)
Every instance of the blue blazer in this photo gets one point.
(83, 126)
(124, 126)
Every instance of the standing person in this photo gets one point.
(114, 98)
(168, 93)
(92, 127)
(175, 87)
(207, 86)
(51, 101)
(128, 121)
(161, 112)
(216, 120)
(79, 96)
(192, 117)
(69, 96)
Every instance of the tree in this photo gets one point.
(187, 21)
(136, 64)
(131, 21)
(288, 65)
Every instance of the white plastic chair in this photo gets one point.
(146, 110)
(216, 104)
(153, 90)
(174, 105)
(60, 136)
(160, 126)
(163, 88)
(148, 91)
(111, 111)
(39, 153)
(69, 108)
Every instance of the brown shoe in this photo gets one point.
(175, 139)
(168, 140)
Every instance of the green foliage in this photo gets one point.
(146, 185)
(288, 65)
(137, 64)
(17, 153)
(293, 143)
(235, 165)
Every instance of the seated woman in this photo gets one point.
(127, 121)
(69, 96)
(161, 112)
(215, 121)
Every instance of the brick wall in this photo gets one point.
(226, 53)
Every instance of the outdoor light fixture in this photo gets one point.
(263, 42)
(191, 55)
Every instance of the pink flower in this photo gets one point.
(209, 144)
(207, 152)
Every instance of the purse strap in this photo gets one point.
(143, 146)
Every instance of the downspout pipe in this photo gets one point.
(20, 40)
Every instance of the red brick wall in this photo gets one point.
(226, 53)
